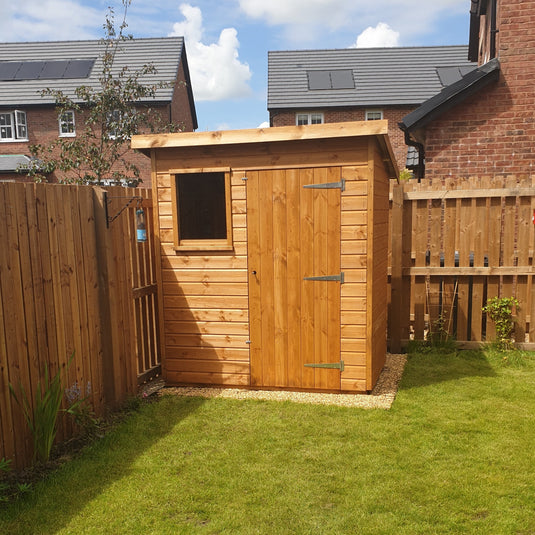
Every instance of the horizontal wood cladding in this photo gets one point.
(354, 246)
(205, 300)
(297, 154)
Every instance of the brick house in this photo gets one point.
(316, 86)
(27, 118)
(484, 124)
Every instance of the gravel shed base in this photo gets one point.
(381, 397)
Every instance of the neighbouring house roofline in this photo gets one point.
(396, 76)
(449, 97)
(165, 53)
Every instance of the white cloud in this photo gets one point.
(46, 20)
(306, 19)
(265, 124)
(380, 36)
(216, 71)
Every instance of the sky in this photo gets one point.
(227, 41)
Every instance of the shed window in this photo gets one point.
(203, 211)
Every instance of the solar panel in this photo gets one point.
(448, 75)
(53, 70)
(30, 70)
(342, 79)
(79, 68)
(8, 69)
(319, 80)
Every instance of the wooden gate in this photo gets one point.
(294, 277)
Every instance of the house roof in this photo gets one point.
(39, 65)
(450, 96)
(381, 76)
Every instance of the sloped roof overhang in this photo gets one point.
(451, 96)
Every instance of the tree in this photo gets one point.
(111, 114)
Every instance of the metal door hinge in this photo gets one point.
(330, 365)
(328, 185)
(244, 178)
(247, 341)
(327, 278)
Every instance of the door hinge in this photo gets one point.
(244, 178)
(247, 341)
(328, 185)
(330, 365)
(327, 278)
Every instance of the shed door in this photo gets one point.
(293, 234)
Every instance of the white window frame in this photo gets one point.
(309, 118)
(17, 127)
(370, 113)
(66, 119)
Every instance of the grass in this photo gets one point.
(454, 455)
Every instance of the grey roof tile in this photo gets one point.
(164, 53)
(383, 76)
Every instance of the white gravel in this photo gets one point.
(381, 397)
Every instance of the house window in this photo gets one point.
(374, 115)
(13, 126)
(66, 124)
(308, 118)
(202, 211)
(114, 122)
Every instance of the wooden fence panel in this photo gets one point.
(471, 239)
(67, 287)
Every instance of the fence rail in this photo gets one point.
(455, 244)
(72, 283)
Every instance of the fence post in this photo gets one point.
(396, 281)
(103, 255)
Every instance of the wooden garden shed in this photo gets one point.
(273, 260)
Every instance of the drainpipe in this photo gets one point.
(493, 29)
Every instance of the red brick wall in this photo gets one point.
(337, 115)
(493, 132)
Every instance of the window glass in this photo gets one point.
(201, 206)
(374, 115)
(6, 126)
(13, 126)
(66, 124)
(308, 118)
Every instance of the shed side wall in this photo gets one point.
(378, 266)
(354, 235)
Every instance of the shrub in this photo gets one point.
(500, 311)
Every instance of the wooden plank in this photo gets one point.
(267, 274)
(308, 320)
(333, 259)
(207, 353)
(294, 279)
(206, 327)
(396, 245)
(10, 419)
(193, 378)
(470, 193)
(262, 135)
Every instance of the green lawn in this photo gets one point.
(455, 454)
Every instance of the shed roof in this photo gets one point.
(40, 58)
(382, 76)
(251, 137)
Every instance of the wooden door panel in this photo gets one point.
(293, 233)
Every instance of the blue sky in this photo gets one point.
(227, 41)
